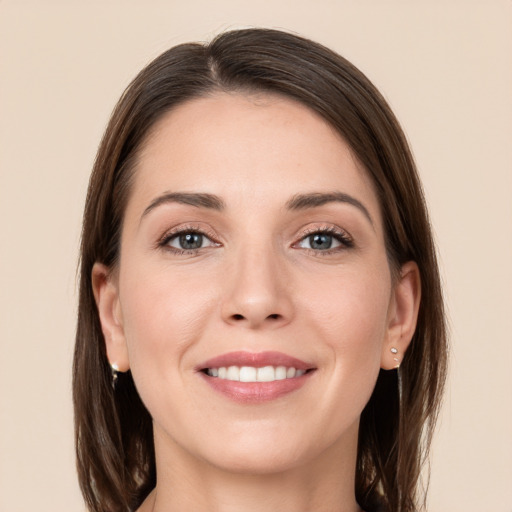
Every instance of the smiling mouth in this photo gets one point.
(255, 374)
(253, 378)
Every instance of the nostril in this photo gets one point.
(274, 316)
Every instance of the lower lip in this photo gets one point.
(255, 392)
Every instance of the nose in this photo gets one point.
(257, 291)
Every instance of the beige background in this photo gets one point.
(446, 68)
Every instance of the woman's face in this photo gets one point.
(252, 239)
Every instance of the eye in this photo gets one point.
(319, 242)
(325, 240)
(188, 241)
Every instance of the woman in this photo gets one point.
(260, 323)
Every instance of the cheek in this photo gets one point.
(349, 310)
(164, 313)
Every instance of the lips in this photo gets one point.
(249, 377)
(257, 360)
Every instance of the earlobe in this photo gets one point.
(106, 294)
(402, 317)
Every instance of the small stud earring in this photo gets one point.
(115, 370)
(394, 351)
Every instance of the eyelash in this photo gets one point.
(341, 236)
(163, 243)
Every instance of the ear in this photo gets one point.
(402, 316)
(106, 293)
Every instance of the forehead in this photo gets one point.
(263, 147)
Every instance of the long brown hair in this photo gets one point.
(114, 439)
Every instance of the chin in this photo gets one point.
(260, 461)
(276, 450)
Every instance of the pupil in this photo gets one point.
(320, 241)
(191, 241)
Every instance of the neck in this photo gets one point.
(324, 484)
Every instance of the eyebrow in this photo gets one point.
(197, 199)
(297, 202)
(315, 199)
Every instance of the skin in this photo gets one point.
(257, 286)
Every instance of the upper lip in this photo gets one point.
(255, 359)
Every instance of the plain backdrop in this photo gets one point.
(446, 69)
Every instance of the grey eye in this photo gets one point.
(189, 241)
(319, 242)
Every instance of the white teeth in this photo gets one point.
(266, 374)
(281, 373)
(252, 374)
(233, 373)
(248, 374)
